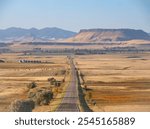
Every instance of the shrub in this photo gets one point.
(57, 83)
(52, 81)
(32, 85)
(40, 97)
(22, 106)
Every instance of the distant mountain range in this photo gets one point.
(109, 35)
(56, 34)
(28, 35)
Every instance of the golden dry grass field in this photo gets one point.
(15, 76)
(117, 82)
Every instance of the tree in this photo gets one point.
(41, 96)
(32, 85)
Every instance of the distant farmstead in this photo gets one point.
(30, 61)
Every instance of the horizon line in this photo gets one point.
(40, 28)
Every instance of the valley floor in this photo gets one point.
(116, 82)
(111, 82)
(15, 76)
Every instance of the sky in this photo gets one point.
(75, 14)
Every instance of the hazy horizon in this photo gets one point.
(75, 15)
(67, 29)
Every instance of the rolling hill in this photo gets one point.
(28, 35)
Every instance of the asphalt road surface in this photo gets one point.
(70, 100)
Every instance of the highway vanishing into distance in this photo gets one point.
(71, 99)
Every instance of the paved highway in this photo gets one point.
(70, 100)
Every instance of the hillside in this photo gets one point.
(102, 35)
(33, 34)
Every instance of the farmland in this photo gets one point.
(110, 82)
(116, 82)
(15, 76)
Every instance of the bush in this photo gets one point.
(52, 81)
(22, 106)
(32, 85)
(57, 83)
(41, 97)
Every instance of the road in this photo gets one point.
(71, 98)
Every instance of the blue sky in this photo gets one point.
(75, 14)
